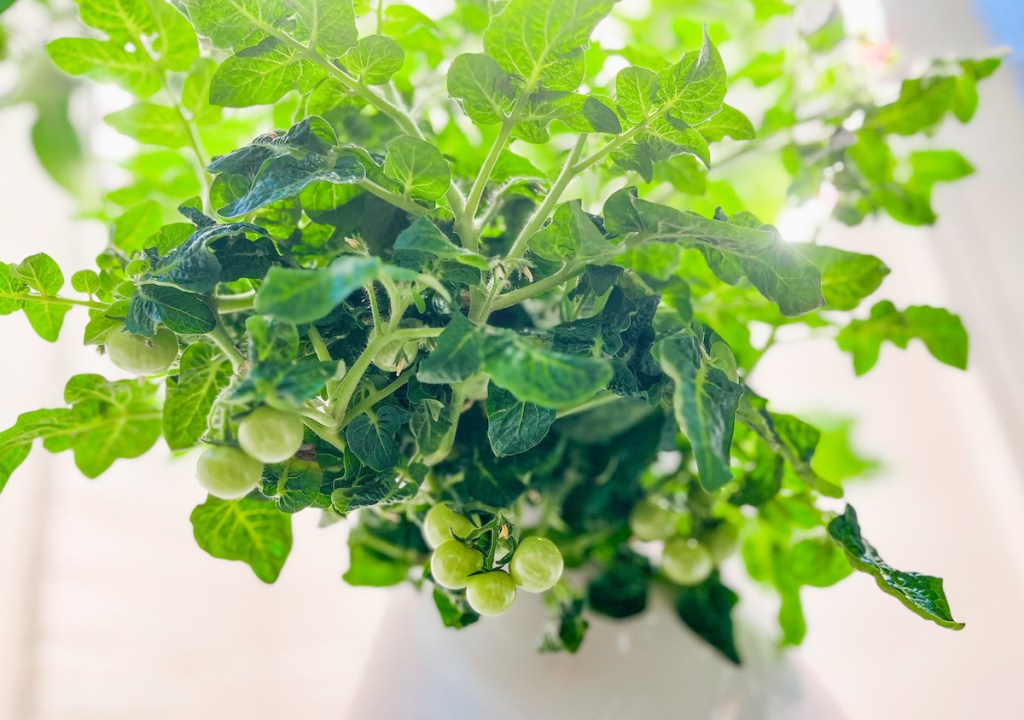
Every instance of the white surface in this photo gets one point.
(109, 611)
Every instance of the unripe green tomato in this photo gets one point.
(399, 353)
(441, 521)
(228, 473)
(491, 593)
(536, 565)
(269, 435)
(652, 520)
(685, 562)
(722, 542)
(452, 563)
(142, 355)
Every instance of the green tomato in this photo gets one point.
(652, 520)
(452, 563)
(685, 562)
(142, 355)
(228, 473)
(441, 521)
(536, 565)
(401, 353)
(491, 593)
(269, 435)
(722, 541)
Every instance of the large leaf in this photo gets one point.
(922, 594)
(542, 41)
(105, 421)
(183, 312)
(535, 374)
(941, 331)
(705, 401)
(262, 75)
(252, 531)
(459, 353)
(484, 90)
(234, 24)
(846, 277)
(514, 426)
(707, 610)
(190, 397)
(328, 25)
(150, 123)
(371, 436)
(571, 234)
(418, 167)
(423, 236)
(303, 296)
(773, 266)
(294, 485)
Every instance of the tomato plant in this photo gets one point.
(453, 278)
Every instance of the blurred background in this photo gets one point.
(108, 610)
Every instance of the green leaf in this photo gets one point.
(571, 234)
(170, 40)
(922, 594)
(707, 610)
(458, 356)
(430, 424)
(133, 228)
(372, 491)
(202, 374)
(371, 436)
(941, 331)
(375, 60)
(771, 264)
(105, 421)
(293, 485)
(455, 612)
(195, 92)
(541, 376)
(40, 273)
(542, 41)
(5, 5)
(514, 426)
(303, 296)
(423, 236)
(846, 277)
(86, 281)
(418, 167)
(705, 400)
(328, 25)
(636, 90)
(149, 123)
(728, 122)
(621, 590)
(234, 24)
(262, 75)
(694, 88)
(370, 568)
(106, 62)
(496, 484)
(182, 312)
(922, 104)
(252, 531)
(482, 88)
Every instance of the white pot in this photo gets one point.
(645, 668)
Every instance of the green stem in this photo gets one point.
(219, 335)
(324, 433)
(235, 303)
(375, 397)
(53, 300)
(319, 346)
(514, 297)
(371, 293)
(399, 201)
(589, 405)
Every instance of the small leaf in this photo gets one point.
(418, 167)
(328, 25)
(922, 103)
(293, 485)
(570, 234)
(728, 122)
(423, 236)
(375, 59)
(846, 277)
(458, 355)
(303, 296)
(514, 426)
(483, 89)
(922, 594)
(252, 531)
(707, 610)
(371, 436)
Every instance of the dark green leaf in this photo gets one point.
(303, 296)
(458, 355)
(423, 236)
(182, 312)
(293, 485)
(514, 426)
(371, 436)
(707, 610)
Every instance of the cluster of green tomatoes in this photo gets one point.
(685, 559)
(534, 564)
(266, 435)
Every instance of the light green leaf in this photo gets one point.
(423, 236)
(705, 401)
(922, 103)
(418, 167)
(105, 421)
(233, 24)
(458, 355)
(484, 90)
(541, 376)
(170, 39)
(195, 92)
(922, 594)
(40, 273)
(86, 281)
(941, 331)
(570, 234)
(327, 25)
(542, 41)
(303, 296)
(135, 226)
(514, 426)
(293, 485)
(375, 60)
(694, 88)
(846, 277)
(262, 75)
(252, 531)
(201, 377)
(106, 62)
(149, 123)
(728, 122)
(636, 90)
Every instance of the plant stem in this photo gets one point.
(375, 397)
(514, 297)
(53, 300)
(589, 404)
(219, 335)
(319, 346)
(399, 201)
(235, 303)
(324, 433)
(371, 293)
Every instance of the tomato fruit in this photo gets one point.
(685, 562)
(536, 565)
(401, 353)
(228, 473)
(652, 520)
(269, 435)
(142, 355)
(722, 541)
(452, 563)
(491, 593)
(441, 521)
